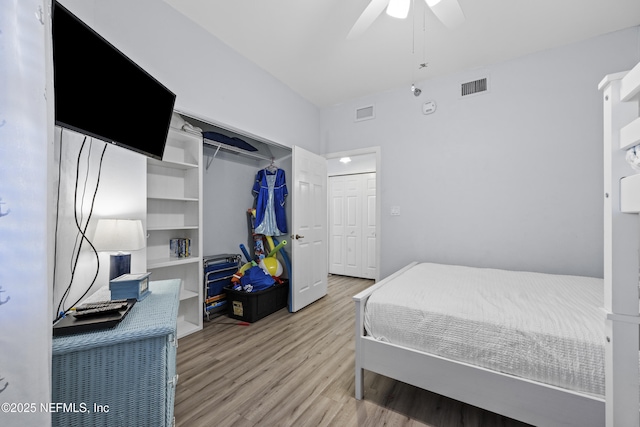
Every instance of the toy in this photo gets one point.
(276, 248)
(272, 266)
(245, 252)
(263, 244)
(270, 244)
(287, 263)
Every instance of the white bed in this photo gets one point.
(486, 337)
(548, 328)
(525, 381)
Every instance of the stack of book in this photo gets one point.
(180, 247)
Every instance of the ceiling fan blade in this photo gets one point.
(371, 12)
(448, 12)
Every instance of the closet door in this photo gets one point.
(353, 226)
(336, 224)
(352, 229)
(309, 230)
(369, 221)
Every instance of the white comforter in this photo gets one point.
(548, 328)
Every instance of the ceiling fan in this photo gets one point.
(448, 11)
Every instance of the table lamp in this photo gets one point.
(119, 235)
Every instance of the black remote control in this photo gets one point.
(98, 304)
(111, 308)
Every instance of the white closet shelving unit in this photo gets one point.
(174, 210)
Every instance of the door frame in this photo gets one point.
(376, 151)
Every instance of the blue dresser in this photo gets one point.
(124, 376)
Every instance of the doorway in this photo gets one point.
(353, 217)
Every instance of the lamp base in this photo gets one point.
(120, 264)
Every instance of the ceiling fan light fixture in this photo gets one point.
(398, 8)
(447, 11)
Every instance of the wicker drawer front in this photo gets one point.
(123, 376)
(172, 377)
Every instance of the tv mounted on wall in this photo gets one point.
(102, 93)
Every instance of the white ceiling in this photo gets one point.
(303, 42)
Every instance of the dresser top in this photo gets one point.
(154, 316)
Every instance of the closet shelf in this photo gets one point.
(235, 150)
(266, 150)
(185, 294)
(171, 164)
(171, 227)
(169, 262)
(174, 199)
(186, 327)
(174, 210)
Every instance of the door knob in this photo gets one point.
(297, 236)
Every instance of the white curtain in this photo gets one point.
(26, 135)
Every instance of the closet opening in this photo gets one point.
(232, 159)
(234, 163)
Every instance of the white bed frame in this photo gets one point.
(530, 401)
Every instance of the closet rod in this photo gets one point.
(235, 150)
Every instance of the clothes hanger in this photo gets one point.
(272, 167)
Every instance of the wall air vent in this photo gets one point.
(474, 87)
(364, 113)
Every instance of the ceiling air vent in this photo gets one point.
(364, 113)
(476, 86)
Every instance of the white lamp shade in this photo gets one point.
(119, 235)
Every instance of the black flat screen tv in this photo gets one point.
(102, 93)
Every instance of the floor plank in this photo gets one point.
(297, 369)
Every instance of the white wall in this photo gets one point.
(509, 179)
(226, 197)
(361, 163)
(227, 185)
(121, 193)
(25, 122)
(210, 80)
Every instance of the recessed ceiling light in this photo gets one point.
(345, 160)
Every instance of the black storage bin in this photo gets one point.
(253, 306)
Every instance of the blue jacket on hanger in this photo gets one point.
(270, 188)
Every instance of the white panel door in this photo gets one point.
(369, 264)
(336, 224)
(309, 231)
(353, 226)
(352, 249)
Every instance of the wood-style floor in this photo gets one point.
(297, 369)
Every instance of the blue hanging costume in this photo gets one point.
(270, 188)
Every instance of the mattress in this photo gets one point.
(547, 328)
